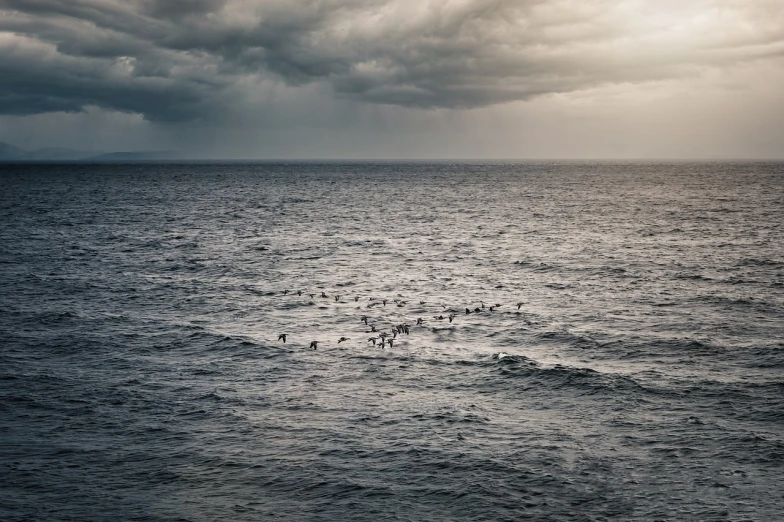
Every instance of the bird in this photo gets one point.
(342, 339)
(519, 305)
(285, 292)
(312, 295)
(356, 298)
(314, 344)
(282, 337)
(390, 342)
(337, 298)
(299, 292)
(372, 340)
(384, 301)
(323, 294)
(451, 316)
(419, 320)
(364, 319)
(468, 311)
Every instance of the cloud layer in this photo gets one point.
(181, 60)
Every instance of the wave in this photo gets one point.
(585, 381)
(754, 262)
(565, 338)
(761, 402)
(691, 277)
(452, 417)
(750, 303)
(675, 347)
(769, 356)
(195, 340)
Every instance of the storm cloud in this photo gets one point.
(180, 60)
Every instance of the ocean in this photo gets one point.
(571, 341)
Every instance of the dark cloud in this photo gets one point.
(173, 60)
(175, 9)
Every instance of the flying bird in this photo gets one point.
(314, 344)
(282, 337)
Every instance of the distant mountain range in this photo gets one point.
(12, 153)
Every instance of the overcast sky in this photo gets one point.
(396, 78)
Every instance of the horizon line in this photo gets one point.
(87, 161)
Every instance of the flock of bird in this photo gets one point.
(382, 338)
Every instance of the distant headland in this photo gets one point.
(12, 154)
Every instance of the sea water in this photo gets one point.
(621, 359)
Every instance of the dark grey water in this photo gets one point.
(640, 379)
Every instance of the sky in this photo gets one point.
(396, 79)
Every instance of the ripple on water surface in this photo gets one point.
(632, 370)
